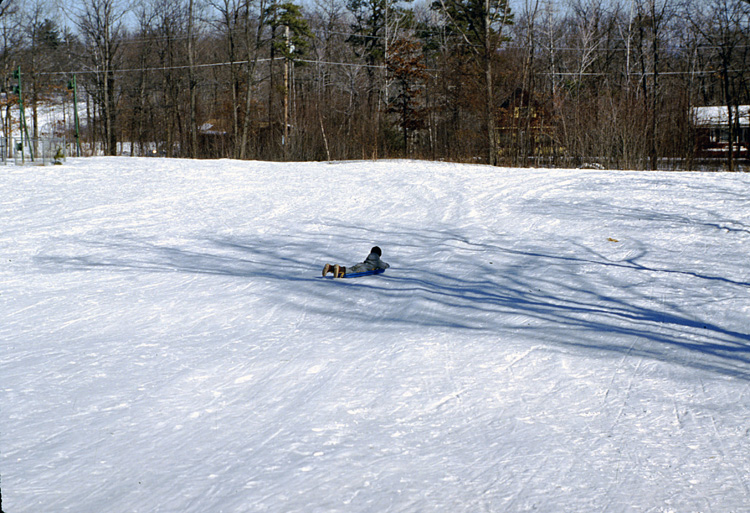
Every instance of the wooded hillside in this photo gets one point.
(526, 83)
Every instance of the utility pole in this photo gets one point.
(72, 85)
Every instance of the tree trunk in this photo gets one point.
(489, 90)
(192, 84)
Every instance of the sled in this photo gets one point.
(357, 275)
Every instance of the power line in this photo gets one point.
(319, 62)
(209, 65)
(144, 70)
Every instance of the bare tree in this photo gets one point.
(651, 16)
(100, 25)
(43, 42)
(10, 45)
(5, 5)
(191, 79)
(328, 26)
(480, 24)
(231, 23)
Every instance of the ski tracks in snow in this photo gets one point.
(541, 341)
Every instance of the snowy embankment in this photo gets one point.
(556, 341)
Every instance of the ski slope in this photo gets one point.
(545, 340)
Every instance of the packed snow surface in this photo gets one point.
(545, 340)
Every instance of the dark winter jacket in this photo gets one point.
(371, 263)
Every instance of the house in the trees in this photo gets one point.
(524, 125)
(712, 131)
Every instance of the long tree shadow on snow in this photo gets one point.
(507, 299)
(129, 253)
(571, 308)
(597, 322)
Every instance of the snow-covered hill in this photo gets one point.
(545, 340)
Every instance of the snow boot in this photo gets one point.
(339, 271)
(327, 269)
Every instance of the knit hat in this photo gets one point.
(376, 250)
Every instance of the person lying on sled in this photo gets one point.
(371, 263)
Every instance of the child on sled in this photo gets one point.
(371, 263)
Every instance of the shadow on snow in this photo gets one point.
(570, 308)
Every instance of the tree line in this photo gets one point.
(609, 83)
